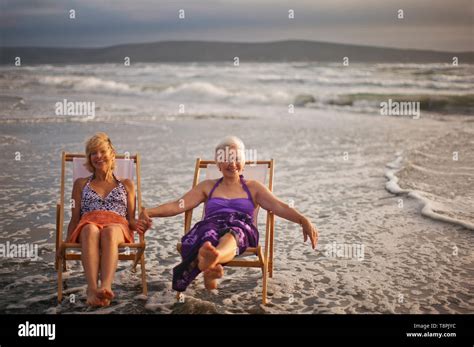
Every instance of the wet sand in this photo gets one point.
(331, 165)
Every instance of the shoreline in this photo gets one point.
(393, 187)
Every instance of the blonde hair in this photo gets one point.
(100, 140)
(231, 141)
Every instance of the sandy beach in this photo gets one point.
(331, 163)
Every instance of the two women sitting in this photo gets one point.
(104, 216)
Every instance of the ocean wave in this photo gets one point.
(429, 207)
(438, 103)
(85, 83)
(438, 85)
(198, 91)
(278, 78)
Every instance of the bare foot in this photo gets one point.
(207, 256)
(92, 298)
(212, 275)
(105, 294)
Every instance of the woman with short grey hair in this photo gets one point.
(227, 228)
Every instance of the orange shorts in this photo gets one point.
(102, 219)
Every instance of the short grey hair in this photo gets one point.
(232, 141)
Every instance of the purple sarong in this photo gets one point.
(211, 229)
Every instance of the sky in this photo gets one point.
(443, 25)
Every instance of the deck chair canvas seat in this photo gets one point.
(127, 167)
(261, 171)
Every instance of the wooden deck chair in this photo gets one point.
(262, 259)
(126, 168)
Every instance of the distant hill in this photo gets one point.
(208, 51)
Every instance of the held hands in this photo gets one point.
(144, 222)
(310, 231)
(140, 226)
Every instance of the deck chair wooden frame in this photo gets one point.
(264, 258)
(62, 247)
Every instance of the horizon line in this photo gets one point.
(234, 42)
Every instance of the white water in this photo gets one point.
(219, 87)
(428, 207)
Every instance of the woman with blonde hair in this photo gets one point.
(103, 216)
(228, 228)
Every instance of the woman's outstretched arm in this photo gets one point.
(189, 201)
(270, 202)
